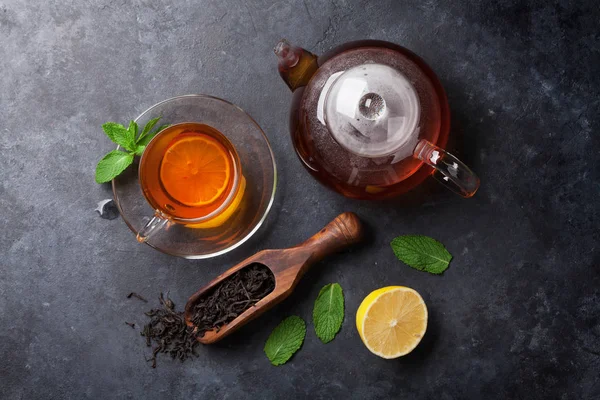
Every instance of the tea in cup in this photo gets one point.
(190, 174)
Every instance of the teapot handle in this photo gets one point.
(449, 170)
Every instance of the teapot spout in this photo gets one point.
(296, 65)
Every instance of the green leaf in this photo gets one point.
(285, 340)
(139, 149)
(148, 128)
(146, 139)
(422, 253)
(119, 134)
(132, 131)
(143, 141)
(160, 128)
(328, 312)
(112, 165)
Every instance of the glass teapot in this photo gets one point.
(370, 119)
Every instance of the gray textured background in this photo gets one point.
(515, 316)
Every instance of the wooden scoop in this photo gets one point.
(287, 265)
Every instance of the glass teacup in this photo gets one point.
(213, 223)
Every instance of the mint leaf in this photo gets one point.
(112, 165)
(149, 125)
(119, 134)
(328, 312)
(143, 140)
(422, 253)
(285, 340)
(160, 128)
(116, 161)
(132, 131)
(139, 149)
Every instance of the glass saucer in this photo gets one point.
(258, 168)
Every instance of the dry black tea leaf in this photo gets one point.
(232, 297)
(167, 331)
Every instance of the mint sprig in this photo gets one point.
(328, 312)
(285, 340)
(422, 253)
(130, 142)
(145, 138)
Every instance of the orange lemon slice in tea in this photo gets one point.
(228, 212)
(391, 321)
(195, 170)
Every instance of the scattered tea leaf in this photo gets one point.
(112, 165)
(285, 340)
(328, 312)
(137, 296)
(422, 253)
(170, 333)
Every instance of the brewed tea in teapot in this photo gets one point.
(370, 119)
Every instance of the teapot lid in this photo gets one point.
(371, 109)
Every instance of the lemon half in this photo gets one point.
(391, 321)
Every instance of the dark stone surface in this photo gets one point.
(515, 316)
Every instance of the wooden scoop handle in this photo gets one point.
(288, 266)
(345, 230)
